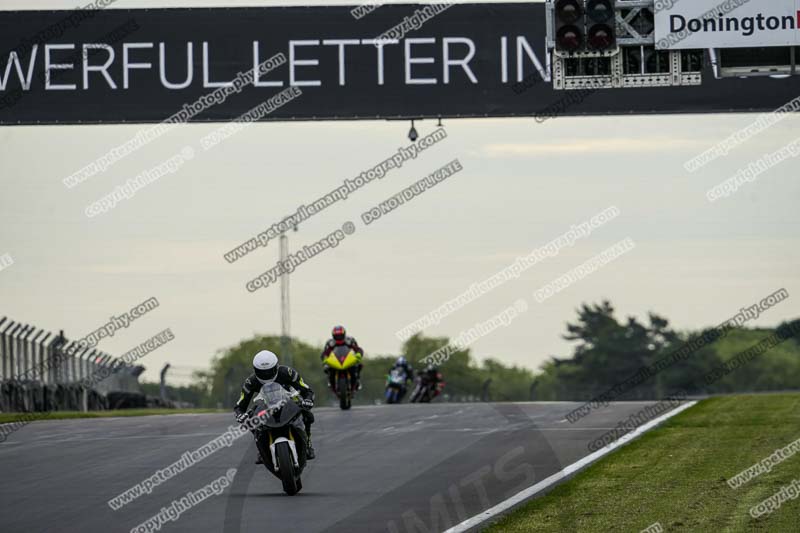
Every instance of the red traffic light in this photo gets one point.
(568, 11)
(569, 38)
(600, 37)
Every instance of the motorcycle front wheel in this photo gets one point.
(415, 394)
(344, 392)
(426, 396)
(286, 468)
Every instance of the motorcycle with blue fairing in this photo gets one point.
(395, 385)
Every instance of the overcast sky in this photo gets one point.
(523, 184)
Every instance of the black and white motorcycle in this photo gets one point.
(280, 437)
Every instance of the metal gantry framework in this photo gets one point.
(608, 44)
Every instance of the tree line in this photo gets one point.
(606, 352)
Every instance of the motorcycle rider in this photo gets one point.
(267, 370)
(434, 379)
(339, 338)
(404, 366)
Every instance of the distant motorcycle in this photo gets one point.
(426, 389)
(395, 385)
(341, 362)
(281, 438)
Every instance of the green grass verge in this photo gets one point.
(54, 415)
(676, 475)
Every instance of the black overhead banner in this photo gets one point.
(400, 61)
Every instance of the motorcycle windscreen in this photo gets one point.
(341, 352)
(272, 394)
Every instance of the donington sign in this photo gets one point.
(683, 24)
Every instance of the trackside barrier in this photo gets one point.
(42, 371)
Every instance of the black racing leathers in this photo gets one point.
(287, 377)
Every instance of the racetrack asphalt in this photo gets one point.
(394, 468)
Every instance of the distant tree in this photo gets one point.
(608, 352)
(508, 383)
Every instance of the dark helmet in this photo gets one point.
(431, 369)
(338, 334)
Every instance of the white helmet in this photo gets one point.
(265, 365)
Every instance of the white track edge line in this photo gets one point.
(558, 476)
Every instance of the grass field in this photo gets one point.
(676, 475)
(53, 415)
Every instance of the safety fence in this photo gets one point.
(43, 371)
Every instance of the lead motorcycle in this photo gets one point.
(280, 437)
